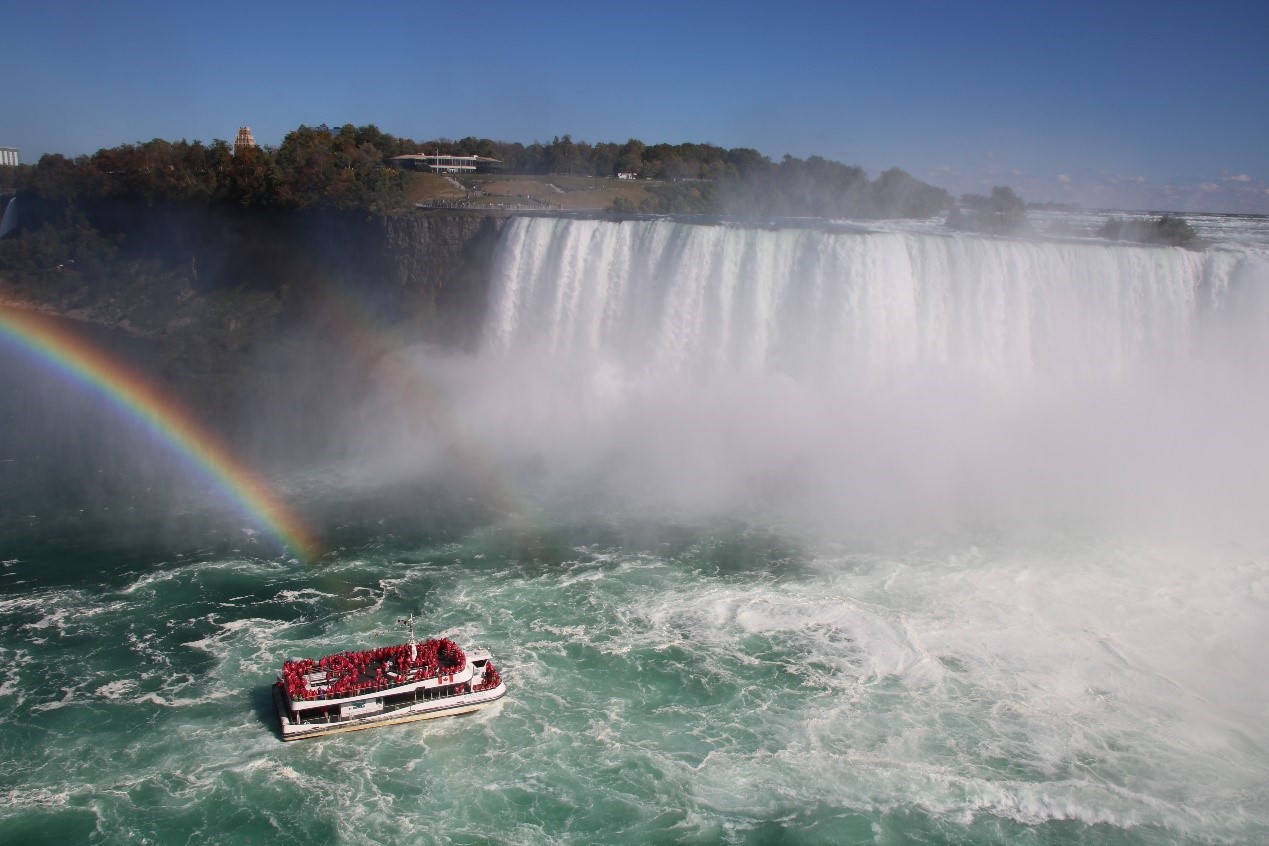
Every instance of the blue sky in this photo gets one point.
(1113, 104)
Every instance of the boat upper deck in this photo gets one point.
(346, 675)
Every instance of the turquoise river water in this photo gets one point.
(804, 537)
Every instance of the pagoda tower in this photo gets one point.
(244, 139)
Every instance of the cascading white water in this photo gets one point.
(832, 306)
(886, 374)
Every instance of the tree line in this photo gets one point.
(348, 168)
(313, 167)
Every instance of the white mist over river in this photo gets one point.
(803, 535)
(879, 380)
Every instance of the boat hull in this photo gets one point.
(448, 707)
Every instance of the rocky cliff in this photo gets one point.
(227, 305)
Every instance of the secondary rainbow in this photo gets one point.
(58, 347)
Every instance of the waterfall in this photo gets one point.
(833, 306)
(9, 220)
(865, 379)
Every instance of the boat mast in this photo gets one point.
(409, 626)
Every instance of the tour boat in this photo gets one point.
(412, 681)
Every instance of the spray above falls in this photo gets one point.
(866, 380)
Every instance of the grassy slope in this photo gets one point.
(430, 186)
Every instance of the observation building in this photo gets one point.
(448, 164)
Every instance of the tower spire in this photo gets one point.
(244, 139)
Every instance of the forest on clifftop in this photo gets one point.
(347, 168)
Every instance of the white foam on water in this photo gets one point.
(68, 698)
(1067, 670)
(311, 596)
(38, 601)
(248, 645)
(1074, 679)
(116, 689)
(185, 572)
(1092, 681)
(37, 797)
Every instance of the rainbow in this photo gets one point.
(55, 346)
(384, 352)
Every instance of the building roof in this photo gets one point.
(420, 157)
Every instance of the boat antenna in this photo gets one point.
(409, 626)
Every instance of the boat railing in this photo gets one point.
(464, 689)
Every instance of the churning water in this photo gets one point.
(778, 536)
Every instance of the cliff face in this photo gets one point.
(438, 266)
(427, 270)
(234, 305)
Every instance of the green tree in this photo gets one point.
(630, 158)
(56, 178)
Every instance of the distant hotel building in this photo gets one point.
(448, 164)
(9, 156)
(244, 139)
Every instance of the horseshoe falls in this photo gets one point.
(786, 534)
(888, 381)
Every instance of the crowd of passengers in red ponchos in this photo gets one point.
(353, 673)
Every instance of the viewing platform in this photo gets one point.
(447, 164)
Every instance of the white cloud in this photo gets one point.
(1063, 178)
(1115, 179)
(1209, 187)
(1240, 177)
